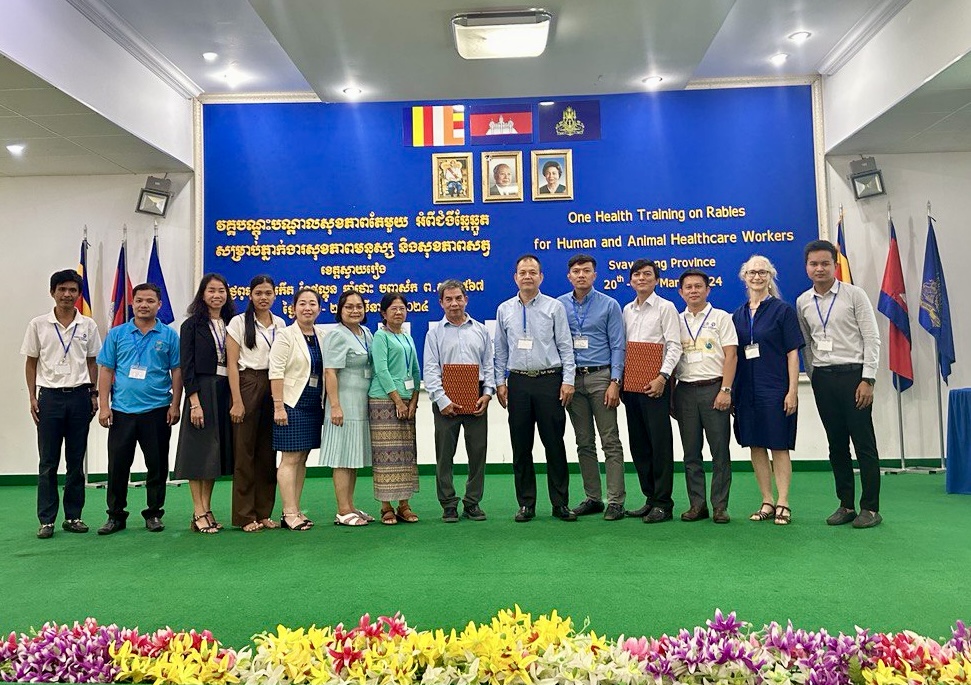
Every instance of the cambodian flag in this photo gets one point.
(893, 305)
(121, 294)
(500, 124)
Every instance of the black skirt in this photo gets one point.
(207, 453)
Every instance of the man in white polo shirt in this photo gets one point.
(61, 347)
(703, 395)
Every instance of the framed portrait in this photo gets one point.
(452, 178)
(552, 172)
(502, 176)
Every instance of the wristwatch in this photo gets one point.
(665, 376)
(871, 381)
(615, 380)
(727, 388)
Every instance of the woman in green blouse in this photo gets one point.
(392, 402)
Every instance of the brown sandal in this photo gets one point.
(388, 517)
(407, 515)
(762, 514)
(783, 515)
(206, 527)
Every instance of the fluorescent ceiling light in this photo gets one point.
(210, 56)
(799, 36)
(495, 35)
(779, 59)
(16, 149)
(651, 80)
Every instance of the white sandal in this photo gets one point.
(364, 515)
(351, 519)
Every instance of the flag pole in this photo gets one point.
(87, 451)
(896, 384)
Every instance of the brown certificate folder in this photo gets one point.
(642, 365)
(461, 385)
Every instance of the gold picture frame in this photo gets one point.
(560, 160)
(502, 176)
(452, 178)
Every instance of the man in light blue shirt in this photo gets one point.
(535, 372)
(459, 339)
(597, 328)
(140, 375)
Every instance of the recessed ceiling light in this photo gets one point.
(547, 103)
(352, 91)
(210, 56)
(652, 80)
(799, 36)
(16, 148)
(779, 59)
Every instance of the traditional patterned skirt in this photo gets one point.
(394, 455)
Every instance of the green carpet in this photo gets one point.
(625, 576)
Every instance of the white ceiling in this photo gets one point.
(402, 50)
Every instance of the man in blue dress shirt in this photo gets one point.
(140, 375)
(459, 339)
(597, 328)
(534, 354)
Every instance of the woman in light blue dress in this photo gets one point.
(346, 440)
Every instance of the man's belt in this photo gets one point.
(839, 368)
(583, 370)
(541, 372)
(698, 384)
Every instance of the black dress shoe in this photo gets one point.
(588, 506)
(154, 524)
(45, 531)
(615, 512)
(695, 514)
(639, 513)
(111, 526)
(473, 512)
(74, 526)
(564, 513)
(841, 516)
(657, 515)
(721, 516)
(450, 515)
(525, 514)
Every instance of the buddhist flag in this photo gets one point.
(435, 126)
(935, 311)
(893, 305)
(121, 293)
(83, 303)
(155, 276)
(843, 272)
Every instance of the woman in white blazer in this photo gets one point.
(297, 385)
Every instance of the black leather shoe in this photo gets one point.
(450, 515)
(638, 513)
(74, 526)
(695, 514)
(841, 516)
(657, 515)
(473, 512)
(525, 514)
(615, 512)
(588, 506)
(46, 531)
(564, 513)
(867, 519)
(154, 524)
(111, 526)
(721, 516)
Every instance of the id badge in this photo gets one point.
(694, 357)
(581, 342)
(825, 345)
(222, 371)
(752, 351)
(367, 373)
(409, 384)
(137, 372)
(314, 381)
(525, 344)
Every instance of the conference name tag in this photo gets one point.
(409, 384)
(581, 342)
(825, 345)
(367, 373)
(752, 351)
(222, 371)
(525, 344)
(314, 381)
(694, 357)
(137, 372)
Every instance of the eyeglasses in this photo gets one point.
(397, 309)
(762, 273)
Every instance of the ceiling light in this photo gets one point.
(652, 80)
(16, 149)
(210, 56)
(233, 76)
(779, 59)
(799, 36)
(547, 103)
(494, 35)
(352, 92)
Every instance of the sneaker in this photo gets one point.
(450, 515)
(154, 524)
(867, 519)
(588, 506)
(111, 526)
(45, 531)
(840, 517)
(74, 526)
(473, 512)
(614, 512)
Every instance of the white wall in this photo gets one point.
(911, 181)
(41, 225)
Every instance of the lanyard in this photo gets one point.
(751, 320)
(220, 339)
(269, 342)
(407, 352)
(362, 343)
(524, 317)
(576, 312)
(828, 311)
(66, 348)
(694, 337)
(140, 345)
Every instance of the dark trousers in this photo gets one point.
(652, 445)
(835, 394)
(150, 432)
(697, 418)
(254, 464)
(446, 441)
(535, 403)
(64, 418)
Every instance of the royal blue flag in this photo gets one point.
(155, 276)
(569, 121)
(935, 313)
